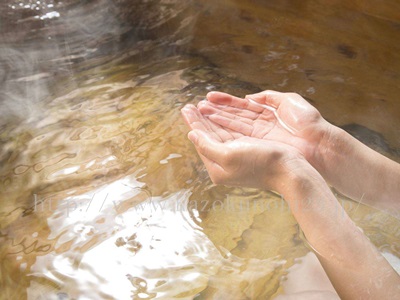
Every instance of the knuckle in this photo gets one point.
(216, 179)
(294, 95)
(202, 147)
(228, 158)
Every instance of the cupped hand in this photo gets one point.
(234, 158)
(271, 116)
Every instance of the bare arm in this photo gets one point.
(351, 167)
(354, 266)
(358, 171)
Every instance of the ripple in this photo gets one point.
(93, 99)
(41, 165)
(156, 251)
(21, 169)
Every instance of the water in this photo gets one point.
(102, 194)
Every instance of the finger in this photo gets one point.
(226, 99)
(196, 120)
(234, 134)
(243, 115)
(192, 117)
(271, 98)
(209, 108)
(238, 114)
(206, 108)
(214, 129)
(207, 146)
(233, 124)
(265, 119)
(222, 134)
(214, 169)
(225, 134)
(258, 129)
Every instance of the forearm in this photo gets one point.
(355, 267)
(357, 171)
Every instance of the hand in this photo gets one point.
(250, 119)
(250, 148)
(329, 149)
(233, 158)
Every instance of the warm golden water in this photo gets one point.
(103, 196)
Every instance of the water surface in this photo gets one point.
(103, 196)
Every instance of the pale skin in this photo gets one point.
(243, 144)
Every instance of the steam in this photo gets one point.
(22, 84)
(48, 45)
(45, 41)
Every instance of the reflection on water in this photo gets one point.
(154, 248)
(102, 194)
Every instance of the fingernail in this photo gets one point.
(209, 94)
(202, 102)
(188, 106)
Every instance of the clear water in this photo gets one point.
(103, 196)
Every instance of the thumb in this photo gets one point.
(271, 98)
(206, 145)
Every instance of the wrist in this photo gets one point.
(297, 178)
(332, 145)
